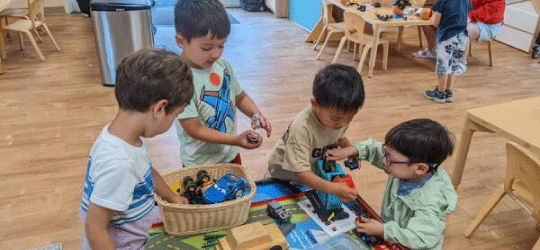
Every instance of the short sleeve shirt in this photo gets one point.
(454, 15)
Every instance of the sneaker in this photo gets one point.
(424, 54)
(435, 95)
(449, 95)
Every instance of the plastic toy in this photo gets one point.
(362, 8)
(377, 5)
(352, 164)
(426, 14)
(228, 187)
(190, 190)
(328, 206)
(254, 236)
(253, 137)
(276, 211)
(399, 6)
(382, 17)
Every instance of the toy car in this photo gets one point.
(228, 187)
(276, 211)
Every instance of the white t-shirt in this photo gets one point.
(119, 177)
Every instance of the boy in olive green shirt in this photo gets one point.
(419, 194)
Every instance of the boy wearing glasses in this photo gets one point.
(418, 194)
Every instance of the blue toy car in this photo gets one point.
(228, 187)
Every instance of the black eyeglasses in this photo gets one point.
(389, 162)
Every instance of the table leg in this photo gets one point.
(463, 149)
(315, 32)
(373, 56)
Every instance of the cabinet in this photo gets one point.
(521, 24)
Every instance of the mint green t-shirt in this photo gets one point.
(214, 103)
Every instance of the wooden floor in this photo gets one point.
(52, 111)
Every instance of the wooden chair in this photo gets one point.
(330, 27)
(354, 32)
(34, 21)
(490, 49)
(522, 180)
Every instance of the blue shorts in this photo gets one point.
(451, 56)
(488, 31)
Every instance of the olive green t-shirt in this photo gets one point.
(301, 145)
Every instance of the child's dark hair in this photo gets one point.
(149, 75)
(422, 141)
(339, 86)
(197, 18)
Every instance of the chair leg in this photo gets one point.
(324, 44)
(386, 47)
(497, 195)
(400, 37)
(49, 34)
(536, 245)
(420, 37)
(363, 58)
(319, 38)
(470, 47)
(2, 44)
(34, 44)
(37, 35)
(354, 51)
(21, 43)
(490, 51)
(340, 47)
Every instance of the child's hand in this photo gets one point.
(341, 153)
(261, 122)
(344, 192)
(179, 199)
(370, 227)
(243, 141)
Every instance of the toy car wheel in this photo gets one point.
(189, 184)
(536, 52)
(239, 193)
(203, 176)
(276, 248)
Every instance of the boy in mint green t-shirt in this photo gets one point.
(207, 127)
(419, 193)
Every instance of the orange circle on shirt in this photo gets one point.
(214, 79)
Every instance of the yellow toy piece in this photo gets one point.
(176, 188)
(253, 236)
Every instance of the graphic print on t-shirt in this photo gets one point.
(219, 100)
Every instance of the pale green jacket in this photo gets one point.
(416, 220)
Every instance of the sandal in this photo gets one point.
(424, 54)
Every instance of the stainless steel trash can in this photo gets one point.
(121, 27)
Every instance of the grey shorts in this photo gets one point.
(451, 55)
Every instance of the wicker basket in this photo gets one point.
(187, 219)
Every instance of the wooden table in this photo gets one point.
(370, 17)
(519, 121)
(4, 4)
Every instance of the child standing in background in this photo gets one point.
(450, 16)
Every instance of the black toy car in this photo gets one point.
(276, 211)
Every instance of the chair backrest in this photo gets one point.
(36, 11)
(327, 12)
(523, 166)
(354, 25)
(418, 3)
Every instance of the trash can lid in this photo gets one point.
(120, 5)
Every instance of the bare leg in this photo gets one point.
(441, 83)
(474, 32)
(431, 36)
(450, 82)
